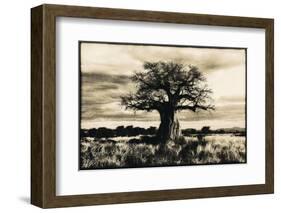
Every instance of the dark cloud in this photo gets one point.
(98, 77)
(100, 95)
(215, 61)
(125, 58)
(232, 99)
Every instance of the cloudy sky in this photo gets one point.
(106, 71)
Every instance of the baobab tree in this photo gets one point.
(168, 88)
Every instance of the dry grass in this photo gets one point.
(142, 152)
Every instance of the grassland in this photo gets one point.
(146, 151)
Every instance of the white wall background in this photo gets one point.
(15, 105)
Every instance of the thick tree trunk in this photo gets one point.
(169, 128)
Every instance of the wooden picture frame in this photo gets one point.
(43, 105)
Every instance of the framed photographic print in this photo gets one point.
(136, 106)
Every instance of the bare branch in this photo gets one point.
(169, 84)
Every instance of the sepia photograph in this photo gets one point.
(155, 105)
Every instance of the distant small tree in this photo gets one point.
(169, 87)
(205, 129)
(92, 132)
(121, 131)
(103, 132)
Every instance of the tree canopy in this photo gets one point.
(169, 84)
